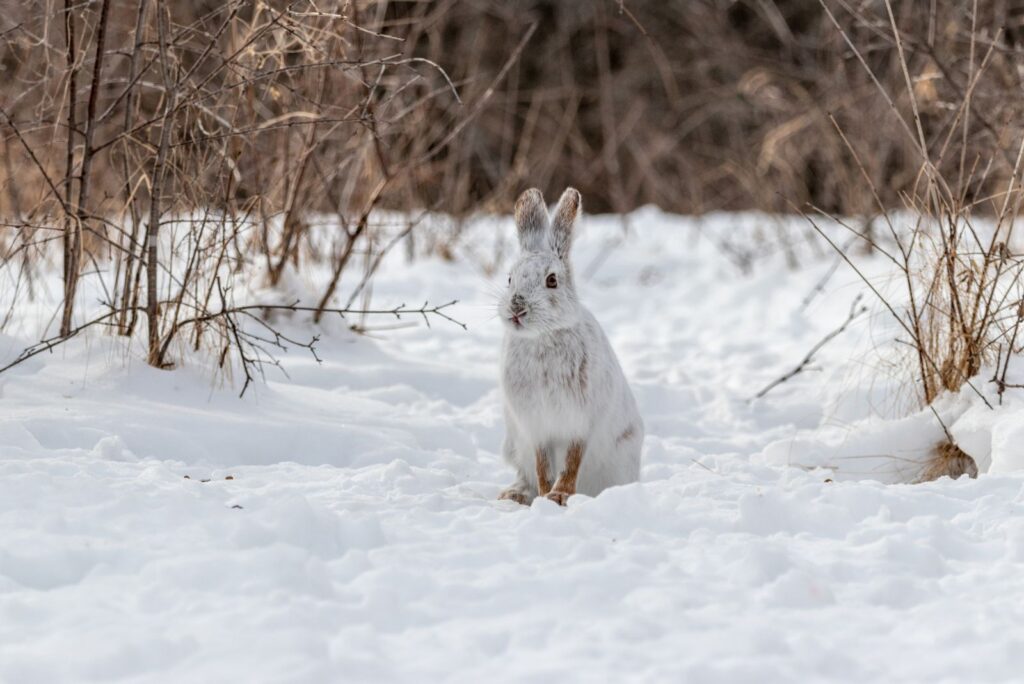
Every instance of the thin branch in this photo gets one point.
(856, 309)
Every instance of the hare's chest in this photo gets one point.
(546, 386)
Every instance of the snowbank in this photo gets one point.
(340, 524)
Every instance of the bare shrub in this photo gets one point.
(961, 305)
(172, 147)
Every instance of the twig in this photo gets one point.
(239, 336)
(397, 312)
(51, 343)
(856, 309)
(819, 286)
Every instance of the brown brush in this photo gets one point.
(948, 460)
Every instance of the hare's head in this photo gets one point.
(541, 295)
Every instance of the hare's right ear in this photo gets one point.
(532, 220)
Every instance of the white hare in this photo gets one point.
(572, 424)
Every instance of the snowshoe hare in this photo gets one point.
(572, 424)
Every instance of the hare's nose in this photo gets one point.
(518, 303)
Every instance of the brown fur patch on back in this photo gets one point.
(581, 376)
(626, 434)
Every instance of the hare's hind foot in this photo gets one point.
(517, 495)
(565, 485)
(558, 497)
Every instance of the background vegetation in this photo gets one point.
(168, 149)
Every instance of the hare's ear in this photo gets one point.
(564, 221)
(531, 220)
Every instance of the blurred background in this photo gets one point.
(692, 105)
(164, 147)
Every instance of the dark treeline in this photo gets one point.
(693, 105)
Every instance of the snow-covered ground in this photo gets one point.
(340, 524)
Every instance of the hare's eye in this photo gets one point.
(552, 280)
(509, 278)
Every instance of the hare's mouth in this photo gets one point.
(516, 319)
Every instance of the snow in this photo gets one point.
(340, 523)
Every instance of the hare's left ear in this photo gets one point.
(563, 221)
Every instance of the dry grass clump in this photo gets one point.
(969, 307)
(948, 460)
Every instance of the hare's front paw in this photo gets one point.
(558, 497)
(517, 495)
